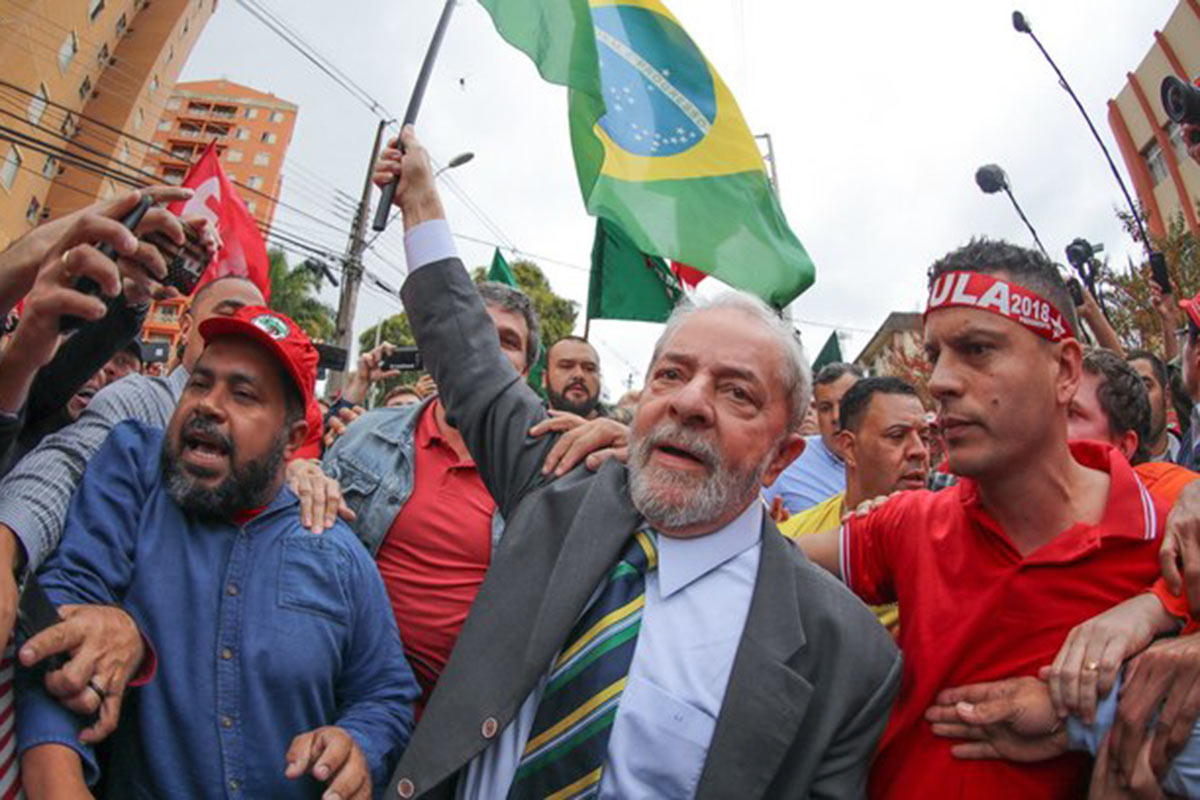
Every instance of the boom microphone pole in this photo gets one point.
(414, 106)
(991, 179)
(1022, 26)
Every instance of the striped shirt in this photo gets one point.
(35, 494)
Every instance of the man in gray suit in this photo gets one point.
(642, 631)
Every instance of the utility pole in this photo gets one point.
(353, 268)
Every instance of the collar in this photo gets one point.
(1129, 511)
(684, 561)
(429, 436)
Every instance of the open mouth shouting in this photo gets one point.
(203, 448)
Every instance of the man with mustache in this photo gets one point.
(883, 440)
(1037, 536)
(573, 377)
(643, 632)
(281, 666)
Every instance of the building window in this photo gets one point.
(126, 157)
(225, 112)
(182, 151)
(1178, 142)
(122, 25)
(8, 170)
(242, 134)
(170, 53)
(102, 56)
(67, 51)
(68, 125)
(262, 159)
(139, 119)
(154, 83)
(251, 113)
(233, 156)
(269, 138)
(173, 104)
(33, 211)
(252, 206)
(85, 89)
(1155, 162)
(276, 116)
(94, 9)
(199, 108)
(254, 182)
(220, 131)
(37, 106)
(173, 175)
(232, 177)
(48, 167)
(165, 125)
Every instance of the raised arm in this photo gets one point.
(485, 399)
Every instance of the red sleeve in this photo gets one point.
(312, 445)
(149, 666)
(868, 552)
(1175, 606)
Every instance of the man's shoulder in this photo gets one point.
(837, 625)
(821, 517)
(135, 435)
(140, 397)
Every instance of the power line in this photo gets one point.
(281, 29)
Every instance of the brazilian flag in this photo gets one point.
(661, 148)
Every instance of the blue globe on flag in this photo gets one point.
(658, 91)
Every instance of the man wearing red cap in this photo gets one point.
(1038, 535)
(281, 668)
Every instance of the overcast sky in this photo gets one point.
(880, 114)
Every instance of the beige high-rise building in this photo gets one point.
(1166, 180)
(81, 82)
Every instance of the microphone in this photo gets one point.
(991, 178)
(1020, 23)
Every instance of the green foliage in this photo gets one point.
(294, 292)
(1130, 304)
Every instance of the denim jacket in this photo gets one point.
(373, 461)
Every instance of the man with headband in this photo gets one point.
(1037, 536)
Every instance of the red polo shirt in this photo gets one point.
(976, 610)
(436, 552)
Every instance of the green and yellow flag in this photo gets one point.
(661, 148)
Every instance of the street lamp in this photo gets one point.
(991, 179)
(457, 161)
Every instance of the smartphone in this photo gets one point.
(87, 285)
(186, 263)
(330, 356)
(35, 613)
(405, 359)
(1076, 291)
(1158, 271)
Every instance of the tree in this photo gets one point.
(294, 293)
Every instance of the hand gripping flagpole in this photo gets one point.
(414, 106)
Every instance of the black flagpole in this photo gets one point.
(414, 106)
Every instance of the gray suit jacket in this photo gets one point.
(814, 676)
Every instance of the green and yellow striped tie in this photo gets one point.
(564, 756)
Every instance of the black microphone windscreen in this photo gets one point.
(1020, 23)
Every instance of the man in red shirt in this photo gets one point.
(1036, 537)
(421, 507)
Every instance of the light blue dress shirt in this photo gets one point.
(817, 475)
(1183, 777)
(697, 602)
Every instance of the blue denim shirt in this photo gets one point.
(262, 632)
(373, 461)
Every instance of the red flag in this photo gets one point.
(243, 251)
(687, 275)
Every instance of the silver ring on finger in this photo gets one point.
(95, 687)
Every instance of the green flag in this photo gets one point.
(626, 283)
(830, 353)
(500, 272)
(661, 148)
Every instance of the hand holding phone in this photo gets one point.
(88, 286)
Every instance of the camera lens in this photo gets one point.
(1181, 101)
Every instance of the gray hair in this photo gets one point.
(797, 377)
(506, 298)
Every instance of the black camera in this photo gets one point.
(405, 359)
(1181, 101)
(1081, 251)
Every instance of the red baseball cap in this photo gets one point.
(282, 337)
(1192, 307)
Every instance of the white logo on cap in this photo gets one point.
(271, 325)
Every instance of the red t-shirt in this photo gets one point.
(975, 610)
(1165, 481)
(436, 553)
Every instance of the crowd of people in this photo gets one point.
(740, 580)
